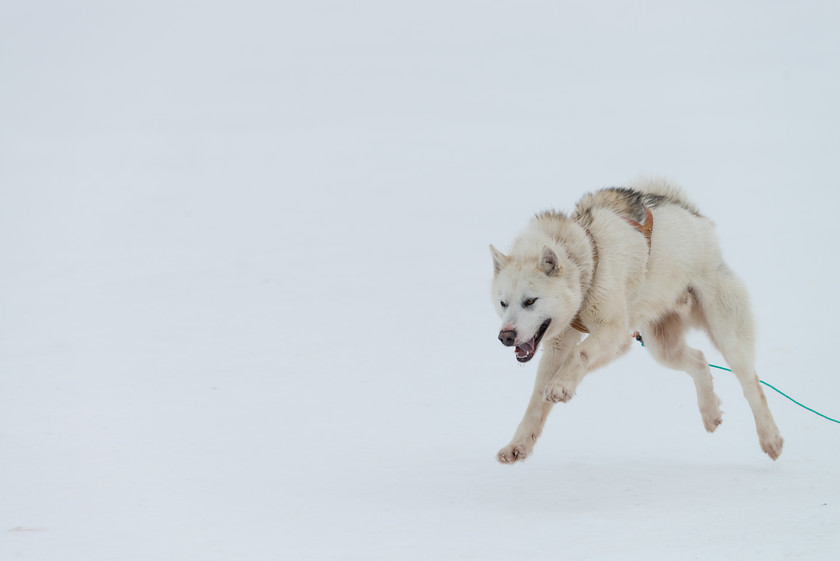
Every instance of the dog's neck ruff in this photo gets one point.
(646, 229)
(576, 322)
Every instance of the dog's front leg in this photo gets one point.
(556, 352)
(598, 349)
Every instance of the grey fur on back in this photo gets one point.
(630, 202)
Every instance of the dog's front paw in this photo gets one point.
(557, 392)
(514, 452)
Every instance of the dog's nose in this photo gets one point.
(507, 337)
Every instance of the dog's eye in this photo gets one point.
(503, 304)
(529, 302)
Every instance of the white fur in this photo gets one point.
(681, 281)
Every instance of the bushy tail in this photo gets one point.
(664, 188)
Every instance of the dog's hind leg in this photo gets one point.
(665, 339)
(555, 354)
(728, 320)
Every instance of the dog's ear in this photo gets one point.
(548, 261)
(499, 259)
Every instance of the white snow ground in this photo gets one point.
(244, 305)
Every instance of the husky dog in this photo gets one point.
(640, 258)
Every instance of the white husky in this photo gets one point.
(642, 258)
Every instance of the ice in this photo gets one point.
(236, 239)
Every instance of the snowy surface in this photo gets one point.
(244, 301)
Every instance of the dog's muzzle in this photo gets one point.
(525, 350)
(507, 337)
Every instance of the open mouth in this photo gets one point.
(526, 351)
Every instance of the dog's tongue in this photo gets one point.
(525, 348)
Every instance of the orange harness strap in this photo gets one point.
(646, 229)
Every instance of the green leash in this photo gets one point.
(774, 388)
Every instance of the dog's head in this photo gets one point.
(536, 295)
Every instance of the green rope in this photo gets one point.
(639, 339)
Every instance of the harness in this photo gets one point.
(646, 229)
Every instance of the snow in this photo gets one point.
(244, 308)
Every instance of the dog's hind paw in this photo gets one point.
(514, 452)
(772, 445)
(711, 423)
(712, 417)
(710, 411)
